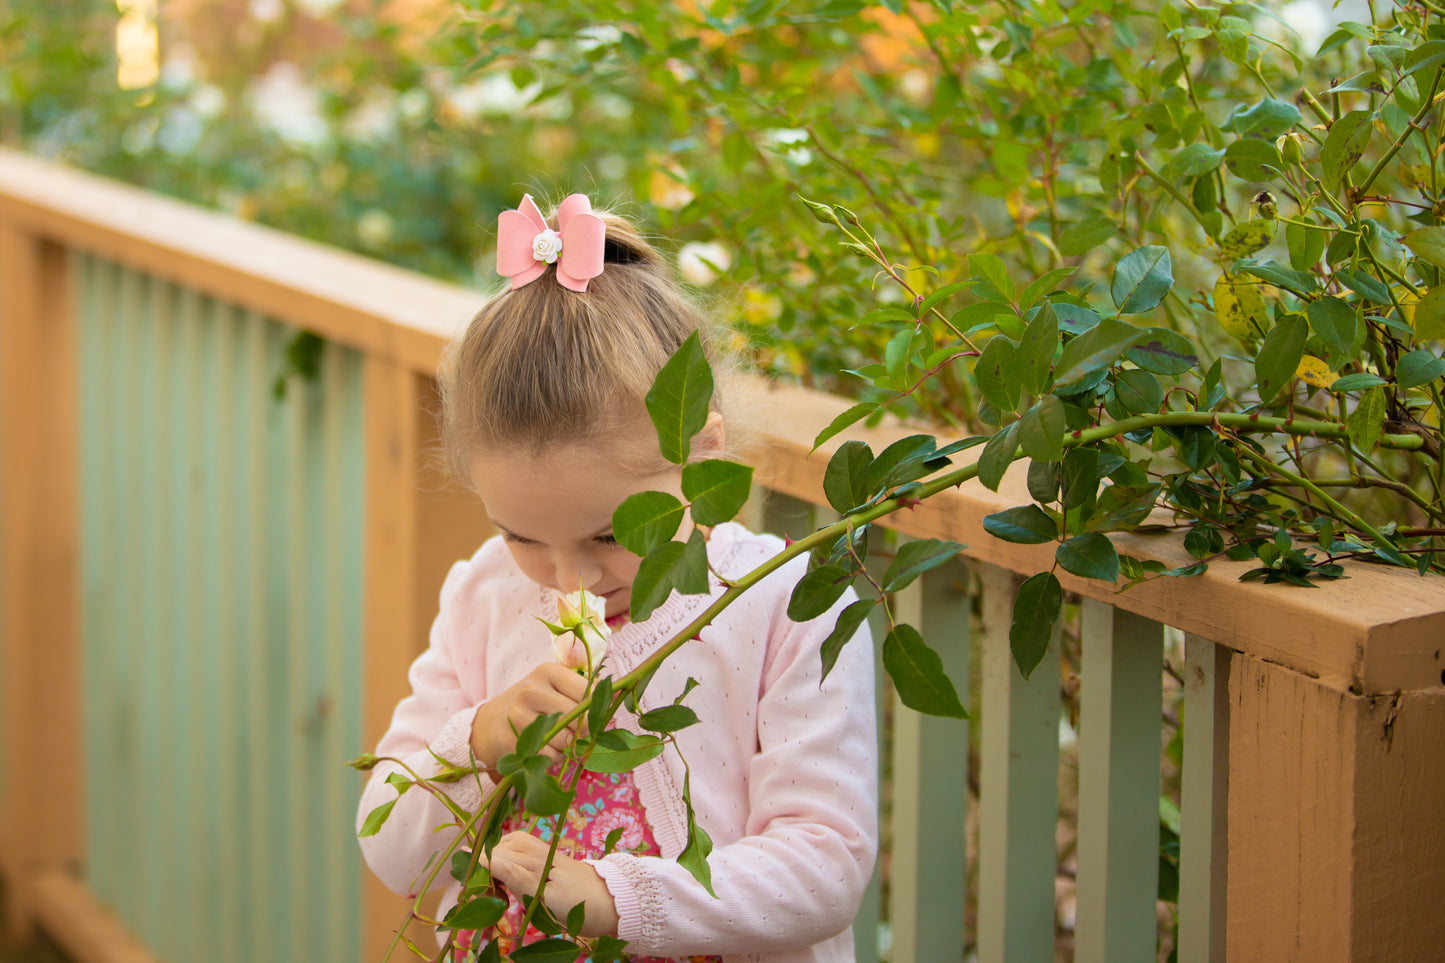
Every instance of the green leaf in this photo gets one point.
(1074, 319)
(997, 371)
(918, 676)
(1044, 480)
(816, 592)
(845, 480)
(1369, 287)
(530, 739)
(1254, 160)
(376, 819)
(577, 918)
(1279, 356)
(674, 565)
(1428, 243)
(1268, 118)
(1419, 367)
(618, 750)
(1141, 279)
(679, 399)
(1090, 555)
(476, 914)
(671, 718)
(1357, 382)
(1163, 352)
(1367, 421)
(601, 701)
(1037, 348)
(1041, 430)
(1081, 474)
(998, 453)
(1138, 391)
(693, 857)
(1281, 276)
(849, 621)
(1099, 347)
(1427, 55)
(990, 267)
(1023, 525)
(1336, 323)
(555, 950)
(1430, 315)
(939, 294)
(1082, 237)
(646, 520)
(903, 461)
(542, 794)
(401, 783)
(1306, 245)
(916, 557)
(851, 416)
(608, 949)
(1344, 144)
(717, 489)
(1036, 609)
(1191, 161)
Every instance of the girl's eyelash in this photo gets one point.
(519, 540)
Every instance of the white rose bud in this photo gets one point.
(546, 246)
(584, 644)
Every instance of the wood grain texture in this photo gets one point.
(378, 308)
(39, 539)
(1372, 633)
(1320, 785)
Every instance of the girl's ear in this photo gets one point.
(711, 441)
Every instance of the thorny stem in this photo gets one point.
(1302, 482)
(1425, 107)
(862, 178)
(926, 490)
(1173, 192)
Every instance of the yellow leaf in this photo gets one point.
(1314, 371)
(1247, 238)
(1429, 316)
(1239, 307)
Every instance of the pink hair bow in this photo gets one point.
(526, 245)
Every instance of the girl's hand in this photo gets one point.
(546, 689)
(517, 863)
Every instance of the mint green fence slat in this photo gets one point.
(930, 783)
(1204, 787)
(1120, 728)
(1019, 788)
(221, 583)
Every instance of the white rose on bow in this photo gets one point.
(546, 246)
(580, 638)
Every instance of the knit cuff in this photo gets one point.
(619, 875)
(454, 744)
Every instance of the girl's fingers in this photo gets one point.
(564, 681)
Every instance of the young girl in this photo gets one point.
(544, 417)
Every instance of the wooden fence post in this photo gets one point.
(39, 570)
(417, 525)
(1337, 846)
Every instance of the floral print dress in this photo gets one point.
(606, 802)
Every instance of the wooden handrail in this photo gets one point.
(1371, 633)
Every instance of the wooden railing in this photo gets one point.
(211, 595)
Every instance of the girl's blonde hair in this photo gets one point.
(542, 365)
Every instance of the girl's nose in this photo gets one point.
(576, 571)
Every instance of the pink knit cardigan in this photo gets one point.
(783, 769)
